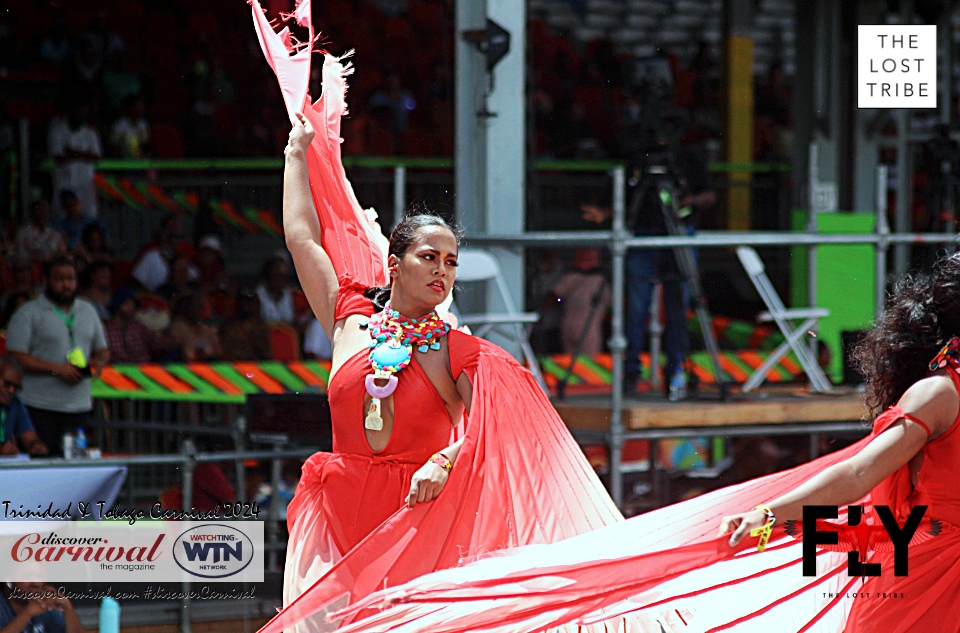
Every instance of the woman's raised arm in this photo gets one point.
(301, 228)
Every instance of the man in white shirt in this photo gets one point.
(75, 148)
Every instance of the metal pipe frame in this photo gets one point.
(619, 240)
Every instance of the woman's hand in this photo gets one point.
(741, 524)
(301, 135)
(427, 484)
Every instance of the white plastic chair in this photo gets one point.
(479, 265)
(786, 319)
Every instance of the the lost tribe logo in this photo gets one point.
(213, 551)
(858, 537)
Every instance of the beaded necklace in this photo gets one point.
(393, 337)
(949, 354)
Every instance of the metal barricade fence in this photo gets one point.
(185, 461)
(157, 427)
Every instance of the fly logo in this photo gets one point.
(213, 551)
(860, 538)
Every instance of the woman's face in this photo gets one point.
(425, 274)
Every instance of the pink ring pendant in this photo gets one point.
(380, 392)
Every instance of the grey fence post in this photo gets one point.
(189, 462)
(618, 343)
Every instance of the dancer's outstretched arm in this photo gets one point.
(301, 228)
(932, 400)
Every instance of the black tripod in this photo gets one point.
(664, 185)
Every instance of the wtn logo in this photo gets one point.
(858, 537)
(221, 551)
(214, 551)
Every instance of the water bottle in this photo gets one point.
(109, 615)
(80, 442)
(68, 446)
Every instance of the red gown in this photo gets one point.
(519, 477)
(669, 567)
(344, 495)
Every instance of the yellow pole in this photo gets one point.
(739, 128)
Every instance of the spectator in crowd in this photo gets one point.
(12, 303)
(97, 283)
(75, 147)
(279, 301)
(181, 280)
(197, 339)
(22, 281)
(316, 343)
(210, 485)
(55, 47)
(39, 240)
(584, 294)
(130, 134)
(213, 279)
(246, 336)
(129, 340)
(84, 73)
(152, 267)
(15, 425)
(59, 340)
(73, 222)
(545, 337)
(396, 103)
(93, 246)
(33, 607)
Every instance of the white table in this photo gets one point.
(59, 485)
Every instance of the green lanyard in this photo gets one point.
(3, 426)
(68, 321)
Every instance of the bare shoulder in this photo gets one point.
(934, 400)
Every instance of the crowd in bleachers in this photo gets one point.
(174, 302)
(187, 79)
(134, 79)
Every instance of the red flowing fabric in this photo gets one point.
(669, 566)
(519, 479)
(347, 233)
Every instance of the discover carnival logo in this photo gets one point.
(120, 552)
(213, 551)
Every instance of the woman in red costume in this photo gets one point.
(671, 567)
(398, 497)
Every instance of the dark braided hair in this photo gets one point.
(921, 315)
(402, 238)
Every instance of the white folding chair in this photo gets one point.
(786, 319)
(479, 265)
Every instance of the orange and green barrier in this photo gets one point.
(227, 382)
(593, 374)
(145, 196)
(214, 382)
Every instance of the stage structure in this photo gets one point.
(490, 153)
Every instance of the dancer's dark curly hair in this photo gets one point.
(402, 238)
(922, 313)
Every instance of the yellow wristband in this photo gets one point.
(765, 530)
(441, 460)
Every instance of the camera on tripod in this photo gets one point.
(655, 125)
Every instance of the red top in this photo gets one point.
(421, 420)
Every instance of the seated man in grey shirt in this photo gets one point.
(59, 340)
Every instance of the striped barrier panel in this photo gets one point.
(231, 382)
(226, 382)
